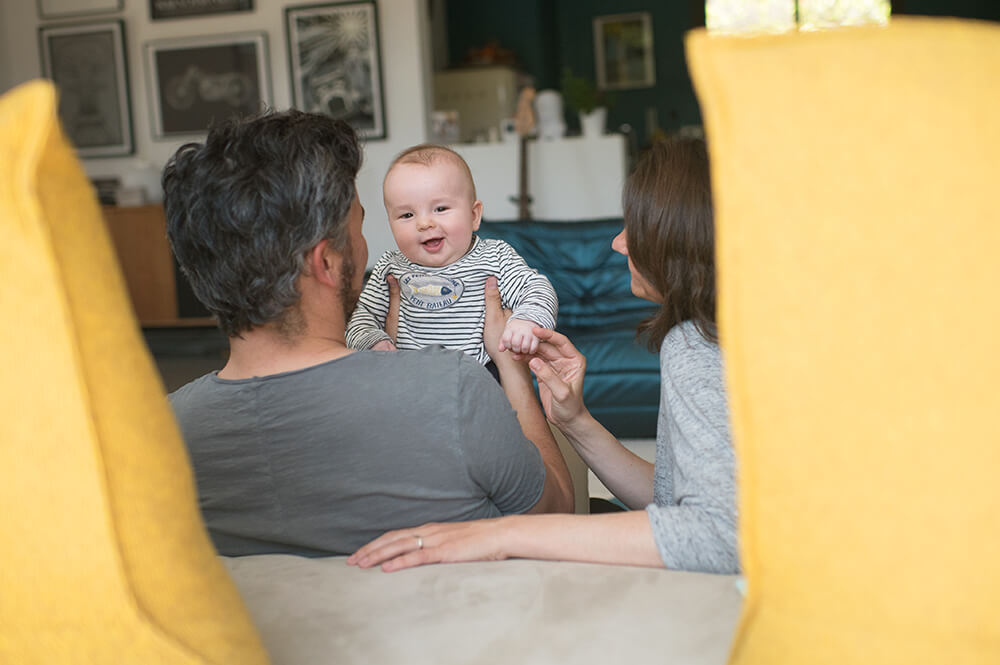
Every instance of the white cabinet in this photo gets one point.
(569, 179)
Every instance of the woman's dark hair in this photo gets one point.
(667, 203)
(244, 208)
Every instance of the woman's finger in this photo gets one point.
(399, 540)
(549, 378)
(551, 336)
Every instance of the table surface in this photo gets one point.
(313, 611)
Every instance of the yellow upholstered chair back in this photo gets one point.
(103, 554)
(855, 177)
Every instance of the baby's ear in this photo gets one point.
(477, 213)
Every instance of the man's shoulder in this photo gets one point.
(193, 390)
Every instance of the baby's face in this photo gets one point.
(431, 211)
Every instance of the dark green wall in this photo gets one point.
(548, 35)
(526, 27)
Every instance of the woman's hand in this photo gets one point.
(478, 540)
(560, 369)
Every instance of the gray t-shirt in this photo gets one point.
(322, 460)
(693, 516)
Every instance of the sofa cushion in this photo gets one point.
(591, 279)
(598, 313)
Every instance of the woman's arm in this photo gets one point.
(618, 538)
(560, 370)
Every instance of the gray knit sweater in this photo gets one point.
(694, 511)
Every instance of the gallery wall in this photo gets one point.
(405, 55)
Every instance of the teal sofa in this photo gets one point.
(599, 314)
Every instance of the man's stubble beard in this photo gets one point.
(348, 294)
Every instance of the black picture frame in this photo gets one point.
(87, 63)
(58, 9)
(170, 9)
(195, 81)
(335, 63)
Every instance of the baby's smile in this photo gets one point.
(433, 244)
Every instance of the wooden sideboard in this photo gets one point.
(139, 235)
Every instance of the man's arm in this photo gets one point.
(557, 494)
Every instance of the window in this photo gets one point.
(783, 15)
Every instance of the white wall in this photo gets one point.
(405, 52)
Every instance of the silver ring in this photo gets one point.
(420, 542)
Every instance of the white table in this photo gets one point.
(320, 611)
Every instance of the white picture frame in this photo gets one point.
(195, 81)
(88, 66)
(56, 9)
(335, 63)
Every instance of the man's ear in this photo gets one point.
(477, 212)
(323, 264)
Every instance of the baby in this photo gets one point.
(442, 265)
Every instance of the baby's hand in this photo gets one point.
(384, 345)
(517, 337)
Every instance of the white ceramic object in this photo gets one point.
(549, 109)
(593, 123)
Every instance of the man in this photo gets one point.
(300, 444)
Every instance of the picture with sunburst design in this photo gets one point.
(333, 52)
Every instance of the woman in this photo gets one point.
(690, 519)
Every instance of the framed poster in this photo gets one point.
(195, 81)
(333, 52)
(623, 46)
(64, 8)
(87, 64)
(161, 9)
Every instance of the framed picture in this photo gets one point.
(87, 64)
(623, 45)
(161, 9)
(64, 8)
(195, 81)
(333, 51)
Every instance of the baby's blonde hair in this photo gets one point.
(427, 154)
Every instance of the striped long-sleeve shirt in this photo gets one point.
(446, 305)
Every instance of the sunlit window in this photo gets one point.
(782, 15)
(818, 14)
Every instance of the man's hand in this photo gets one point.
(518, 337)
(496, 320)
(392, 318)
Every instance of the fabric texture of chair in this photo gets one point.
(854, 176)
(105, 558)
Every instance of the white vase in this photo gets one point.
(549, 109)
(593, 123)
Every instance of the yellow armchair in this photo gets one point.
(855, 175)
(104, 557)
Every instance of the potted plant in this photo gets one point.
(582, 96)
